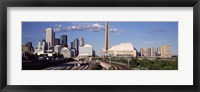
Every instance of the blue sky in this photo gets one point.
(140, 34)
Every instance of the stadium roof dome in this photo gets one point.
(122, 47)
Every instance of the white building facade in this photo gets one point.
(66, 52)
(40, 48)
(86, 50)
(57, 49)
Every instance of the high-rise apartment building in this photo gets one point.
(146, 52)
(153, 52)
(165, 51)
(158, 52)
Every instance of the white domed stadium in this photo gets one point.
(123, 49)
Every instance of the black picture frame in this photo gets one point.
(100, 3)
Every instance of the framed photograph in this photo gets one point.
(74, 45)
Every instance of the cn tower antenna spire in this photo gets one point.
(107, 36)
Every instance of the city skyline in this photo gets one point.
(140, 34)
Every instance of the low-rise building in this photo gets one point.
(57, 49)
(86, 50)
(41, 47)
(66, 52)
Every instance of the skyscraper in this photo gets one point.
(72, 45)
(107, 36)
(82, 42)
(57, 41)
(76, 46)
(50, 36)
(64, 41)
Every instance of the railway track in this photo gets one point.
(115, 66)
(84, 67)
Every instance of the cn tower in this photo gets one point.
(107, 36)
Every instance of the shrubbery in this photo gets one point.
(157, 64)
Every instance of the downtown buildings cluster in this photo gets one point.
(53, 45)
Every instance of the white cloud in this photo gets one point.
(58, 28)
(115, 30)
(59, 25)
(84, 27)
